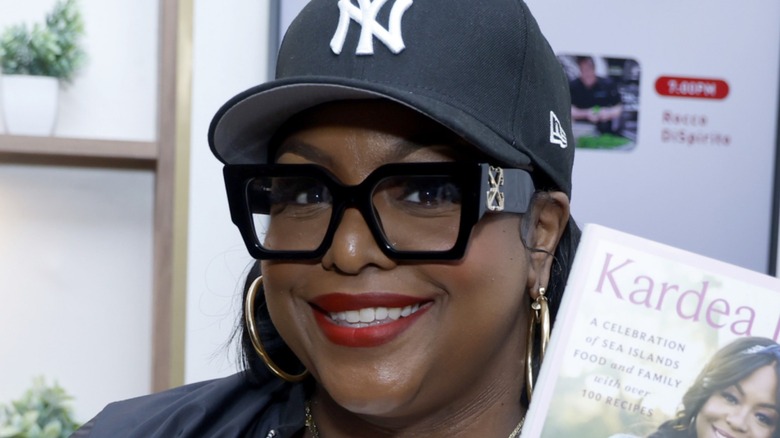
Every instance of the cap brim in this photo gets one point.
(241, 129)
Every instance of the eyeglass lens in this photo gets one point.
(413, 213)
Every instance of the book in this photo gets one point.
(638, 323)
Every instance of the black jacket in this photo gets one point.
(228, 407)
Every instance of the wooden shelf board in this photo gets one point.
(78, 147)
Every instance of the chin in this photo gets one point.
(375, 407)
(372, 398)
(374, 386)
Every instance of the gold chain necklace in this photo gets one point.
(516, 433)
(315, 432)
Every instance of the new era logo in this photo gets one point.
(557, 133)
(365, 16)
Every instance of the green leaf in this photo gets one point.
(30, 418)
(50, 49)
(53, 429)
(42, 411)
(9, 431)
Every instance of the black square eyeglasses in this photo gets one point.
(415, 211)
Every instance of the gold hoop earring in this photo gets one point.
(254, 335)
(540, 315)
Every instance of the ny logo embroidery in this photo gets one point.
(495, 197)
(365, 16)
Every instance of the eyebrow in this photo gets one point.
(304, 150)
(310, 152)
(405, 147)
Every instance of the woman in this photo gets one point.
(737, 394)
(405, 184)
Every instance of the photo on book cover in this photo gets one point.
(653, 341)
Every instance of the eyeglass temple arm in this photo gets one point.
(505, 190)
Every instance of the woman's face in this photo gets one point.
(463, 343)
(745, 409)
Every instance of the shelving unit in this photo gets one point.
(167, 157)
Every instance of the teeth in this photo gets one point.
(374, 314)
(352, 316)
(367, 315)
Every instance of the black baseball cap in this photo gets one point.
(481, 68)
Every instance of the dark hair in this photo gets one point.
(731, 364)
(284, 357)
(582, 59)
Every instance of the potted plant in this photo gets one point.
(42, 412)
(35, 61)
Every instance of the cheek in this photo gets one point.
(496, 251)
(710, 412)
(287, 312)
(490, 281)
(703, 421)
(701, 426)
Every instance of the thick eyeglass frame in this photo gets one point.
(484, 188)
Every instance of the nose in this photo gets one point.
(737, 419)
(354, 247)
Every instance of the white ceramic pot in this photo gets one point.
(29, 104)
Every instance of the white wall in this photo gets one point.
(230, 43)
(75, 282)
(76, 242)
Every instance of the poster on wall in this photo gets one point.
(674, 119)
(605, 100)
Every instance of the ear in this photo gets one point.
(542, 229)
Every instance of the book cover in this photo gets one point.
(651, 340)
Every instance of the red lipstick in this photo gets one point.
(371, 335)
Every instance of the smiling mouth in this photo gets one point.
(368, 319)
(369, 316)
(720, 434)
